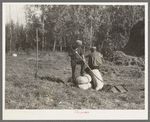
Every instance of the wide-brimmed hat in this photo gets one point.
(79, 42)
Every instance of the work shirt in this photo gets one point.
(95, 60)
(74, 55)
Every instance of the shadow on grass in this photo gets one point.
(107, 88)
(52, 79)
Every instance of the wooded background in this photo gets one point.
(105, 26)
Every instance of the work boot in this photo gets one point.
(74, 83)
(71, 82)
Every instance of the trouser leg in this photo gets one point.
(73, 66)
(82, 68)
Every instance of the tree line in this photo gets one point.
(105, 26)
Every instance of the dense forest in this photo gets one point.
(58, 26)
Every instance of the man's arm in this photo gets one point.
(71, 51)
(81, 52)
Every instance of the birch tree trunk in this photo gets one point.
(54, 40)
(17, 27)
(91, 34)
(54, 44)
(61, 47)
(61, 41)
(10, 31)
(43, 44)
(65, 43)
(36, 53)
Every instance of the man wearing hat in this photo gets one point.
(95, 60)
(75, 59)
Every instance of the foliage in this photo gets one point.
(101, 25)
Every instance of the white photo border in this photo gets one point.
(70, 114)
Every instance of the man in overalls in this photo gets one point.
(75, 59)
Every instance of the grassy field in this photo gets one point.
(51, 90)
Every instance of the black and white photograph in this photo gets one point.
(75, 61)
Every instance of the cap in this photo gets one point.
(79, 42)
(93, 47)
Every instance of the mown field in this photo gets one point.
(52, 89)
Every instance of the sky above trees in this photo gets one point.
(16, 10)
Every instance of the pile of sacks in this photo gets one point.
(84, 82)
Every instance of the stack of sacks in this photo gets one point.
(98, 79)
(84, 81)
